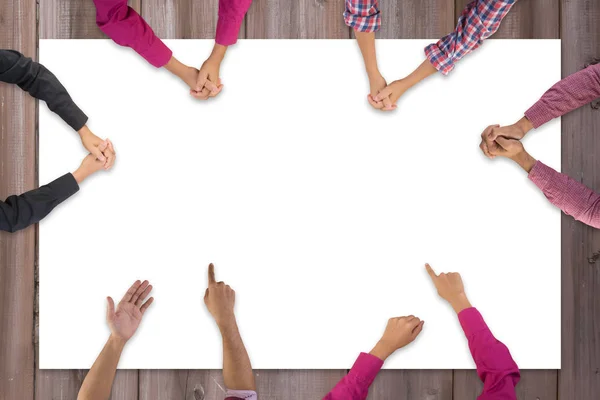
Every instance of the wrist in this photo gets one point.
(116, 342)
(84, 131)
(218, 52)
(460, 302)
(382, 350)
(524, 160)
(79, 176)
(524, 125)
(227, 323)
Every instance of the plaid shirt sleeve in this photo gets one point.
(363, 15)
(479, 20)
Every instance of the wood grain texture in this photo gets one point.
(296, 19)
(72, 19)
(528, 19)
(416, 19)
(416, 385)
(534, 385)
(181, 384)
(182, 19)
(18, 26)
(579, 377)
(296, 384)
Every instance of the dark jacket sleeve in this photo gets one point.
(36, 79)
(18, 212)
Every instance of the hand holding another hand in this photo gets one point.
(103, 150)
(387, 98)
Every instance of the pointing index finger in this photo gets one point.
(430, 271)
(211, 274)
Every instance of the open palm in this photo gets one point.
(125, 320)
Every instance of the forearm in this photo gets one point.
(525, 160)
(572, 197)
(42, 84)
(231, 15)
(19, 212)
(355, 385)
(237, 369)
(366, 43)
(568, 94)
(495, 365)
(98, 382)
(425, 70)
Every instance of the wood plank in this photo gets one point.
(533, 385)
(182, 19)
(181, 384)
(578, 378)
(18, 27)
(528, 19)
(71, 19)
(296, 384)
(296, 19)
(416, 19)
(412, 384)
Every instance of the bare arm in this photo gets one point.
(123, 324)
(237, 370)
(98, 382)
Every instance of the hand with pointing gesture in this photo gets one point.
(126, 319)
(450, 288)
(219, 299)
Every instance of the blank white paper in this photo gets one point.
(319, 211)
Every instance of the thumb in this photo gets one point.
(418, 329)
(493, 134)
(431, 272)
(202, 77)
(386, 92)
(110, 309)
(98, 153)
(504, 142)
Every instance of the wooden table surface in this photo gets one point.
(22, 22)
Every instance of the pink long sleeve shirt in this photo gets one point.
(572, 197)
(127, 28)
(495, 366)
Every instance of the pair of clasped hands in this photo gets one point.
(101, 155)
(505, 141)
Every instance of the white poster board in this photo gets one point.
(319, 211)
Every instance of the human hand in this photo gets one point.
(92, 143)
(219, 299)
(387, 98)
(514, 150)
(399, 332)
(376, 83)
(124, 322)
(89, 165)
(208, 83)
(450, 288)
(491, 133)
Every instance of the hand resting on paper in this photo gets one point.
(208, 83)
(400, 332)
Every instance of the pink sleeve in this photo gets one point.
(126, 28)
(355, 385)
(572, 197)
(572, 92)
(231, 15)
(495, 366)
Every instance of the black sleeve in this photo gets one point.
(41, 84)
(18, 212)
